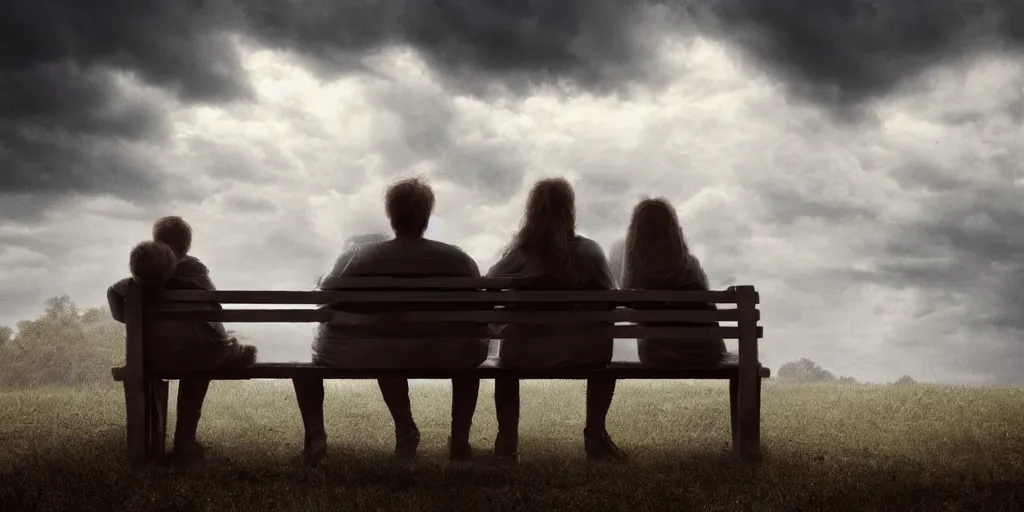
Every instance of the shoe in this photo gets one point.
(314, 451)
(459, 452)
(600, 447)
(506, 449)
(187, 453)
(407, 440)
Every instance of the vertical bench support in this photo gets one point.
(747, 441)
(134, 379)
(156, 419)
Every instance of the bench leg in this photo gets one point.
(135, 428)
(747, 438)
(156, 419)
(734, 387)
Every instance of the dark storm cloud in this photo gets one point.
(59, 58)
(835, 52)
(842, 52)
(66, 127)
(594, 44)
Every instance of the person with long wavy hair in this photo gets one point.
(550, 255)
(658, 258)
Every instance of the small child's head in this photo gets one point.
(175, 233)
(152, 263)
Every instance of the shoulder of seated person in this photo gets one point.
(190, 264)
(183, 283)
(589, 247)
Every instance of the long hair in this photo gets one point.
(547, 228)
(655, 244)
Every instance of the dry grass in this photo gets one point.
(834, 448)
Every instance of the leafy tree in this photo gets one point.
(905, 380)
(847, 380)
(65, 346)
(6, 335)
(805, 371)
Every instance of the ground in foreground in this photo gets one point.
(826, 448)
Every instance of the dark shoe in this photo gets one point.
(600, 447)
(187, 453)
(506, 449)
(459, 452)
(314, 451)
(407, 440)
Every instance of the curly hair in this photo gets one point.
(655, 244)
(174, 232)
(152, 263)
(408, 204)
(547, 228)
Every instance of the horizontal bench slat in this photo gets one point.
(478, 316)
(489, 370)
(614, 331)
(619, 297)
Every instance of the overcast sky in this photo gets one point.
(859, 162)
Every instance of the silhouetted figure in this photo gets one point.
(658, 258)
(408, 204)
(548, 252)
(177, 347)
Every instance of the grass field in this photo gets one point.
(826, 448)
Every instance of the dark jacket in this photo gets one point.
(349, 346)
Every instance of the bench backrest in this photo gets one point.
(648, 313)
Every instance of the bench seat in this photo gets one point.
(727, 369)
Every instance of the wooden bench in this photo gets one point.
(447, 300)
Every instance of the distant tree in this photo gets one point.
(616, 260)
(847, 380)
(6, 335)
(64, 346)
(905, 380)
(804, 371)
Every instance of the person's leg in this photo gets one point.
(191, 395)
(465, 392)
(597, 442)
(396, 396)
(309, 393)
(506, 405)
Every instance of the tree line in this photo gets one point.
(68, 346)
(65, 346)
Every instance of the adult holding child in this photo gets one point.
(179, 347)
